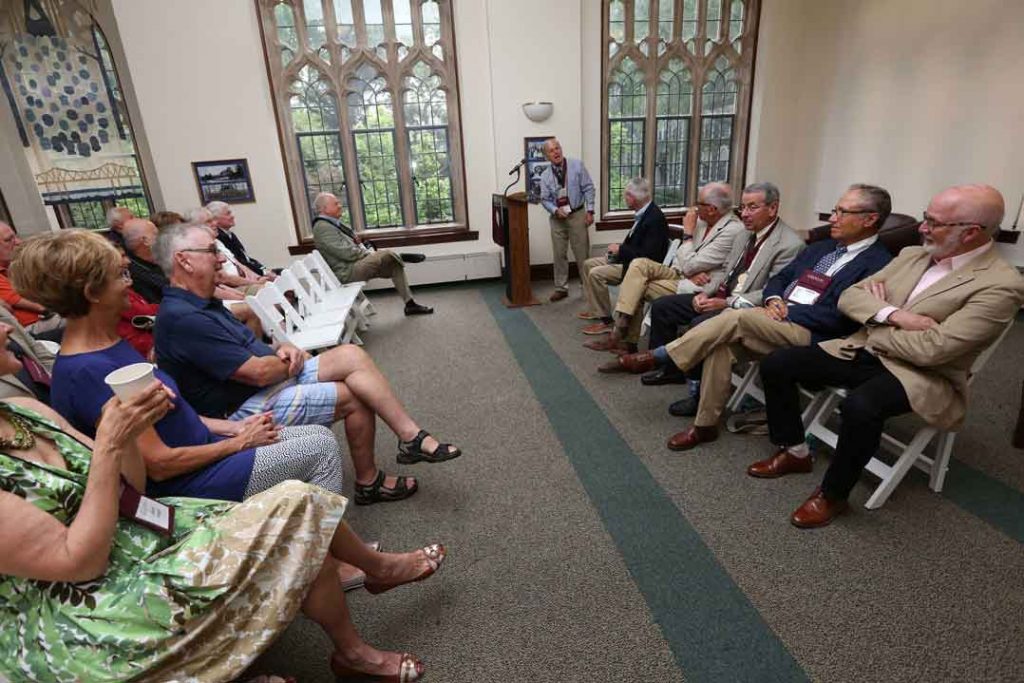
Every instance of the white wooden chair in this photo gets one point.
(909, 454)
(317, 266)
(284, 324)
(318, 300)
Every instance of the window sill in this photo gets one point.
(387, 239)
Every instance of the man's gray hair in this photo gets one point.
(199, 215)
(114, 215)
(133, 233)
(171, 240)
(770, 191)
(320, 202)
(718, 195)
(639, 188)
(218, 208)
(875, 199)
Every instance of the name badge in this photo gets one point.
(563, 198)
(740, 280)
(145, 511)
(809, 287)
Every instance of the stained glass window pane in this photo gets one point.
(689, 28)
(346, 25)
(627, 104)
(314, 115)
(736, 23)
(675, 106)
(666, 15)
(371, 118)
(714, 23)
(617, 21)
(718, 112)
(374, 16)
(284, 17)
(641, 20)
(431, 23)
(426, 118)
(403, 22)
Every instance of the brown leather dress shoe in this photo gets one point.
(685, 440)
(817, 511)
(610, 342)
(634, 363)
(780, 464)
(597, 328)
(587, 315)
(558, 295)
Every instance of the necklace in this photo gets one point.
(23, 438)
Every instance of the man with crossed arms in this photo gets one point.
(709, 233)
(925, 319)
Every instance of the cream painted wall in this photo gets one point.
(913, 95)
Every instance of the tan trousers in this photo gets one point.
(599, 275)
(645, 280)
(732, 335)
(565, 232)
(383, 263)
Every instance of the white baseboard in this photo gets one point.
(449, 268)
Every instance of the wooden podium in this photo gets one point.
(511, 230)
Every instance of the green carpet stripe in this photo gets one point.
(988, 498)
(713, 630)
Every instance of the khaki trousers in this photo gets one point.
(383, 263)
(732, 335)
(564, 232)
(599, 275)
(645, 280)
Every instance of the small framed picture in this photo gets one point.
(226, 181)
(536, 164)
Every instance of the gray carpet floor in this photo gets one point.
(536, 587)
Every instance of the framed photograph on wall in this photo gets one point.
(226, 180)
(536, 164)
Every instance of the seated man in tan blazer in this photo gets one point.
(926, 317)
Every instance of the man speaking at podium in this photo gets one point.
(567, 192)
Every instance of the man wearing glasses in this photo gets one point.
(800, 307)
(925, 319)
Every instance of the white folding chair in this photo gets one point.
(909, 454)
(321, 300)
(667, 261)
(284, 324)
(332, 282)
(323, 313)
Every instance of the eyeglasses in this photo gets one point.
(126, 275)
(932, 223)
(751, 207)
(212, 249)
(840, 211)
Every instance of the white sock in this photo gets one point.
(800, 450)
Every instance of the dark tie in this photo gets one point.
(741, 267)
(822, 266)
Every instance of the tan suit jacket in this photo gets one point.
(11, 386)
(781, 247)
(973, 305)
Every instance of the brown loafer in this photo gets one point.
(558, 295)
(597, 328)
(610, 342)
(634, 363)
(780, 464)
(587, 315)
(817, 511)
(685, 440)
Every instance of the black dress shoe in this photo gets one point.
(413, 308)
(667, 374)
(686, 407)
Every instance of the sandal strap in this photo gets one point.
(378, 490)
(415, 444)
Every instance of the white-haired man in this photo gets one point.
(567, 192)
(233, 273)
(117, 216)
(223, 219)
(225, 371)
(353, 261)
(647, 239)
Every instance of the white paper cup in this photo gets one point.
(130, 380)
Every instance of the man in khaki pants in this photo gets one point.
(567, 192)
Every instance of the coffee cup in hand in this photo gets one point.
(128, 381)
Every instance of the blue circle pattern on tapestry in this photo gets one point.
(70, 94)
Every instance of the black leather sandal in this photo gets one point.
(368, 494)
(411, 452)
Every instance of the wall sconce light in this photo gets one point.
(538, 111)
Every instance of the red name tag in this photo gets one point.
(809, 287)
(145, 511)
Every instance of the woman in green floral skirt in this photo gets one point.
(88, 595)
